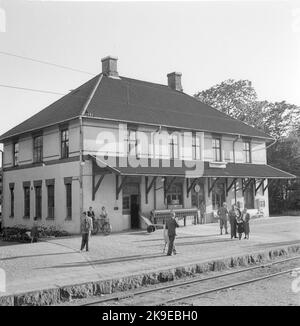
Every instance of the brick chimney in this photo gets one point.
(109, 66)
(174, 81)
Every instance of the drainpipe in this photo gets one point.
(234, 141)
(81, 165)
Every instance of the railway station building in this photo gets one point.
(134, 147)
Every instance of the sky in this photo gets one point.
(208, 42)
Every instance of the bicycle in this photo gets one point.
(101, 224)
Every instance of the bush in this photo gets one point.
(21, 233)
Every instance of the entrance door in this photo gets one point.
(134, 211)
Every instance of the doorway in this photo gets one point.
(134, 211)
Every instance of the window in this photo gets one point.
(129, 190)
(27, 201)
(132, 143)
(38, 149)
(174, 195)
(247, 152)
(198, 198)
(196, 147)
(16, 154)
(69, 200)
(216, 145)
(174, 147)
(38, 201)
(51, 201)
(126, 202)
(12, 202)
(64, 134)
(218, 195)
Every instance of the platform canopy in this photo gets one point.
(188, 169)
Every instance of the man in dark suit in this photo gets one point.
(171, 226)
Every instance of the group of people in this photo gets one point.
(239, 221)
(87, 224)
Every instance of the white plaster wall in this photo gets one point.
(57, 172)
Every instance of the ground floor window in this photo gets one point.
(129, 190)
(69, 200)
(218, 195)
(12, 202)
(38, 201)
(51, 200)
(249, 197)
(198, 197)
(174, 194)
(26, 201)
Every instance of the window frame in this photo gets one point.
(170, 194)
(174, 151)
(196, 148)
(217, 150)
(38, 201)
(26, 190)
(50, 209)
(16, 153)
(38, 149)
(68, 187)
(247, 151)
(12, 201)
(64, 143)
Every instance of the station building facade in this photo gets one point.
(122, 143)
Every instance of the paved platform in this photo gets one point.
(57, 262)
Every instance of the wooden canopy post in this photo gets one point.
(230, 186)
(148, 188)
(119, 187)
(259, 185)
(210, 188)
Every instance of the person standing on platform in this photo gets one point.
(171, 226)
(223, 214)
(246, 219)
(91, 214)
(86, 227)
(233, 214)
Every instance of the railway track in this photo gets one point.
(129, 295)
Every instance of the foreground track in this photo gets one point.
(122, 297)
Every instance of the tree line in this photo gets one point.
(281, 120)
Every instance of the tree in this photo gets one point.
(279, 119)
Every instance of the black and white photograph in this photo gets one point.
(149, 156)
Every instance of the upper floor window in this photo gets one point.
(196, 147)
(132, 143)
(64, 138)
(16, 154)
(174, 147)
(38, 149)
(247, 152)
(216, 146)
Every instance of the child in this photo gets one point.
(240, 226)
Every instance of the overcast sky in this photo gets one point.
(207, 41)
